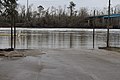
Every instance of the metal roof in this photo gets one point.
(112, 16)
(106, 16)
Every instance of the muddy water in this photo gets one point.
(58, 38)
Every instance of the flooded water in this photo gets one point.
(33, 38)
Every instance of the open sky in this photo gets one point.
(79, 3)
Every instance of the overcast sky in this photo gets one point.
(79, 3)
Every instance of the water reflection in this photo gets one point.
(37, 39)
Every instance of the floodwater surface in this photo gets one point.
(34, 38)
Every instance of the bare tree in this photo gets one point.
(117, 9)
(71, 7)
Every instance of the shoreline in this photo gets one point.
(115, 49)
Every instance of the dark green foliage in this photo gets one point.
(8, 9)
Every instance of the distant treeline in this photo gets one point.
(61, 17)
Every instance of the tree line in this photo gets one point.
(66, 16)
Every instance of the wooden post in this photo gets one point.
(108, 24)
(14, 31)
(11, 34)
(70, 40)
(11, 29)
(94, 31)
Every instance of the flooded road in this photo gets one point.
(63, 64)
(32, 38)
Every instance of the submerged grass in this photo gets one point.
(116, 49)
(6, 34)
(20, 52)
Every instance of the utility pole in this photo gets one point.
(27, 5)
(108, 24)
(27, 9)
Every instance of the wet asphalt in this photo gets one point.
(63, 64)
